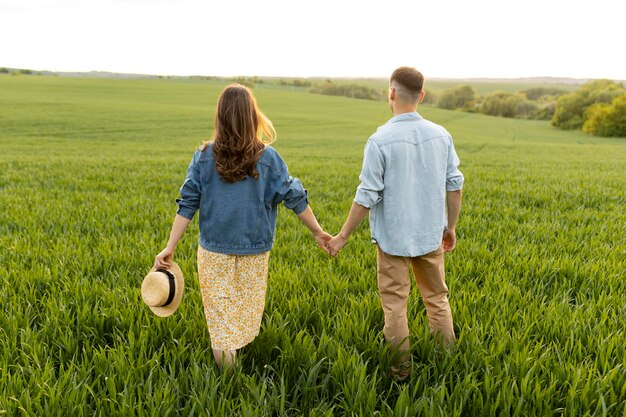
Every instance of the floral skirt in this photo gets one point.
(233, 293)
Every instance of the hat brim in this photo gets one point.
(169, 309)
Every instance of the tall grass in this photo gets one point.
(89, 171)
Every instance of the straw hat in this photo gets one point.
(162, 290)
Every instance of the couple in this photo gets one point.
(410, 186)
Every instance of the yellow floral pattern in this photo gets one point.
(233, 293)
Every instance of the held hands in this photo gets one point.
(335, 244)
(322, 238)
(329, 244)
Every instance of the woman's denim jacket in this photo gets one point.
(239, 218)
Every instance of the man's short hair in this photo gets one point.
(409, 83)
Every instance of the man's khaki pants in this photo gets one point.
(394, 283)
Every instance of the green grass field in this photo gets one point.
(89, 170)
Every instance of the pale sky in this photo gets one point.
(334, 38)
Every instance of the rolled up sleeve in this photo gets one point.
(190, 191)
(369, 191)
(289, 191)
(454, 177)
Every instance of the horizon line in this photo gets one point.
(364, 77)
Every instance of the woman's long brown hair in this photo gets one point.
(239, 130)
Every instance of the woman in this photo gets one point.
(236, 181)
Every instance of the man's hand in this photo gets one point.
(322, 238)
(336, 244)
(449, 240)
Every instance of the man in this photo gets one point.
(411, 188)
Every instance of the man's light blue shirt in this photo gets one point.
(409, 165)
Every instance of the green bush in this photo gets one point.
(462, 97)
(545, 111)
(570, 108)
(568, 112)
(502, 103)
(607, 119)
(447, 100)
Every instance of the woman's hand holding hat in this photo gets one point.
(164, 258)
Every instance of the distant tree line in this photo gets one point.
(598, 108)
(295, 82)
(4, 70)
(348, 90)
(252, 81)
(248, 81)
(534, 103)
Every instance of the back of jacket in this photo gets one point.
(239, 218)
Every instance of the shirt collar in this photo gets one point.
(405, 117)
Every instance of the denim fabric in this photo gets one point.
(239, 218)
(408, 166)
